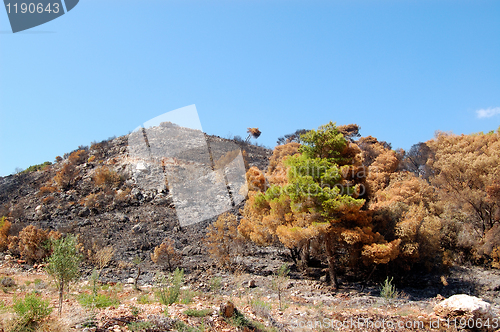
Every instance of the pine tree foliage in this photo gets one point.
(321, 199)
(63, 264)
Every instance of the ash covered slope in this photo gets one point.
(103, 201)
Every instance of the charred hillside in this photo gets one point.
(95, 192)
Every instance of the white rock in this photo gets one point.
(463, 305)
(130, 280)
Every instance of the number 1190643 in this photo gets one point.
(32, 8)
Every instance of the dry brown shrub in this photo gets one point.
(106, 178)
(65, 177)
(59, 159)
(46, 190)
(48, 200)
(4, 233)
(166, 255)
(34, 243)
(91, 159)
(254, 132)
(99, 200)
(78, 157)
(100, 257)
(495, 255)
(280, 152)
(123, 196)
(13, 244)
(255, 180)
(223, 240)
(381, 169)
(380, 253)
(123, 265)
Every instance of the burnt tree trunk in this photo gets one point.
(330, 256)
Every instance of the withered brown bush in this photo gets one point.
(33, 243)
(46, 190)
(100, 257)
(4, 233)
(495, 255)
(65, 177)
(78, 157)
(223, 240)
(255, 179)
(280, 152)
(98, 200)
(123, 196)
(254, 132)
(48, 199)
(166, 255)
(13, 244)
(106, 178)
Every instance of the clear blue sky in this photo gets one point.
(400, 69)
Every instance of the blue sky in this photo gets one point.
(400, 69)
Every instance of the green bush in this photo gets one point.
(30, 311)
(168, 291)
(197, 313)
(240, 321)
(139, 326)
(97, 301)
(215, 284)
(36, 167)
(388, 290)
(187, 296)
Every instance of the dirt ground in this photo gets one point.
(306, 305)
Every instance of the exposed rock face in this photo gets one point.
(205, 178)
(465, 306)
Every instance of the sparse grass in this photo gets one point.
(260, 308)
(187, 296)
(215, 284)
(241, 322)
(134, 310)
(139, 326)
(144, 299)
(183, 327)
(97, 301)
(197, 313)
